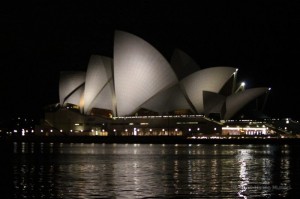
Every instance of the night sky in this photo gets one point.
(40, 40)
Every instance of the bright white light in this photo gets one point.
(243, 84)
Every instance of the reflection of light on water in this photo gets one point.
(151, 171)
(214, 174)
(136, 180)
(244, 155)
(176, 176)
(285, 184)
(266, 166)
(266, 174)
(244, 180)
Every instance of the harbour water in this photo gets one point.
(60, 170)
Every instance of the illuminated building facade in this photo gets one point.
(138, 92)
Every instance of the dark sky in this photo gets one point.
(40, 40)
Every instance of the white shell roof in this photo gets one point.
(209, 79)
(238, 100)
(104, 99)
(76, 97)
(140, 72)
(167, 100)
(69, 82)
(98, 74)
(140, 77)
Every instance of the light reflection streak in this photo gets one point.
(285, 174)
(244, 155)
(139, 171)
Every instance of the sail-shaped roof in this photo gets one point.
(70, 86)
(98, 74)
(238, 100)
(140, 72)
(209, 79)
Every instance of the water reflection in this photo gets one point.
(243, 156)
(260, 172)
(51, 170)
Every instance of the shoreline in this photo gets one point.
(145, 140)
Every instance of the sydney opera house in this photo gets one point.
(139, 92)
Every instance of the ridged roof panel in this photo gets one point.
(104, 99)
(238, 100)
(76, 97)
(209, 79)
(167, 100)
(97, 76)
(140, 72)
(68, 83)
